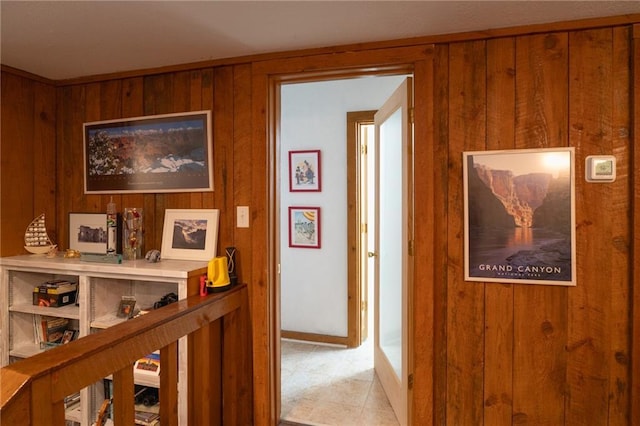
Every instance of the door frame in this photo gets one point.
(267, 76)
(355, 119)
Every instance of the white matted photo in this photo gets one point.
(190, 234)
(88, 232)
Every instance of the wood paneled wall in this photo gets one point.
(528, 354)
(27, 158)
(494, 354)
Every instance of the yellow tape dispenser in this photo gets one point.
(218, 275)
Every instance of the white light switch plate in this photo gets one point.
(242, 216)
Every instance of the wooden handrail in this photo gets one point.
(33, 389)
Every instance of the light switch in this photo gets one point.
(242, 216)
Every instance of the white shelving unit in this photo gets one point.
(100, 289)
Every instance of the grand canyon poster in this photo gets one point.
(519, 216)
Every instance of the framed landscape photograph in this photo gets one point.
(304, 227)
(88, 232)
(304, 171)
(159, 153)
(519, 216)
(190, 234)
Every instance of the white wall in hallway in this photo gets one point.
(313, 117)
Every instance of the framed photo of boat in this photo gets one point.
(88, 232)
(151, 154)
(519, 216)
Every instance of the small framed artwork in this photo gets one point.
(190, 234)
(127, 305)
(304, 171)
(88, 232)
(68, 336)
(304, 227)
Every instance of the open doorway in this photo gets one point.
(315, 303)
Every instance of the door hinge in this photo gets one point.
(363, 228)
(411, 247)
(410, 381)
(412, 115)
(363, 149)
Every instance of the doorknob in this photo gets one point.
(372, 254)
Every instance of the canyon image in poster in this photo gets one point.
(519, 216)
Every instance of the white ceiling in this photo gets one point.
(67, 39)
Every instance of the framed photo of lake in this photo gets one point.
(519, 216)
(151, 154)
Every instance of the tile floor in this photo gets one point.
(328, 385)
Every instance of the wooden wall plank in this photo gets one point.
(132, 105)
(440, 234)
(242, 160)
(223, 154)
(195, 104)
(422, 312)
(260, 296)
(540, 312)
(44, 155)
(622, 230)
(499, 342)
(589, 316)
(207, 93)
(635, 223)
(465, 327)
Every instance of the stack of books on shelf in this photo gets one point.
(55, 293)
(52, 331)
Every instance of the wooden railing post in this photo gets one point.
(168, 388)
(123, 397)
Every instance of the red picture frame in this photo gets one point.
(305, 171)
(304, 227)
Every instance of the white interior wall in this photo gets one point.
(313, 116)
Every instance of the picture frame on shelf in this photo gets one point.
(126, 307)
(88, 232)
(304, 227)
(190, 234)
(149, 154)
(305, 173)
(519, 216)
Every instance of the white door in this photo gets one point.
(393, 235)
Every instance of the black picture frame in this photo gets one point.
(150, 154)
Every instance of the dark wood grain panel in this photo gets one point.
(635, 222)
(540, 312)
(499, 341)
(421, 315)
(440, 232)
(465, 315)
(223, 111)
(590, 303)
(242, 158)
(18, 162)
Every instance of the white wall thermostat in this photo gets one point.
(600, 168)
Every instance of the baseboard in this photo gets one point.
(313, 337)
